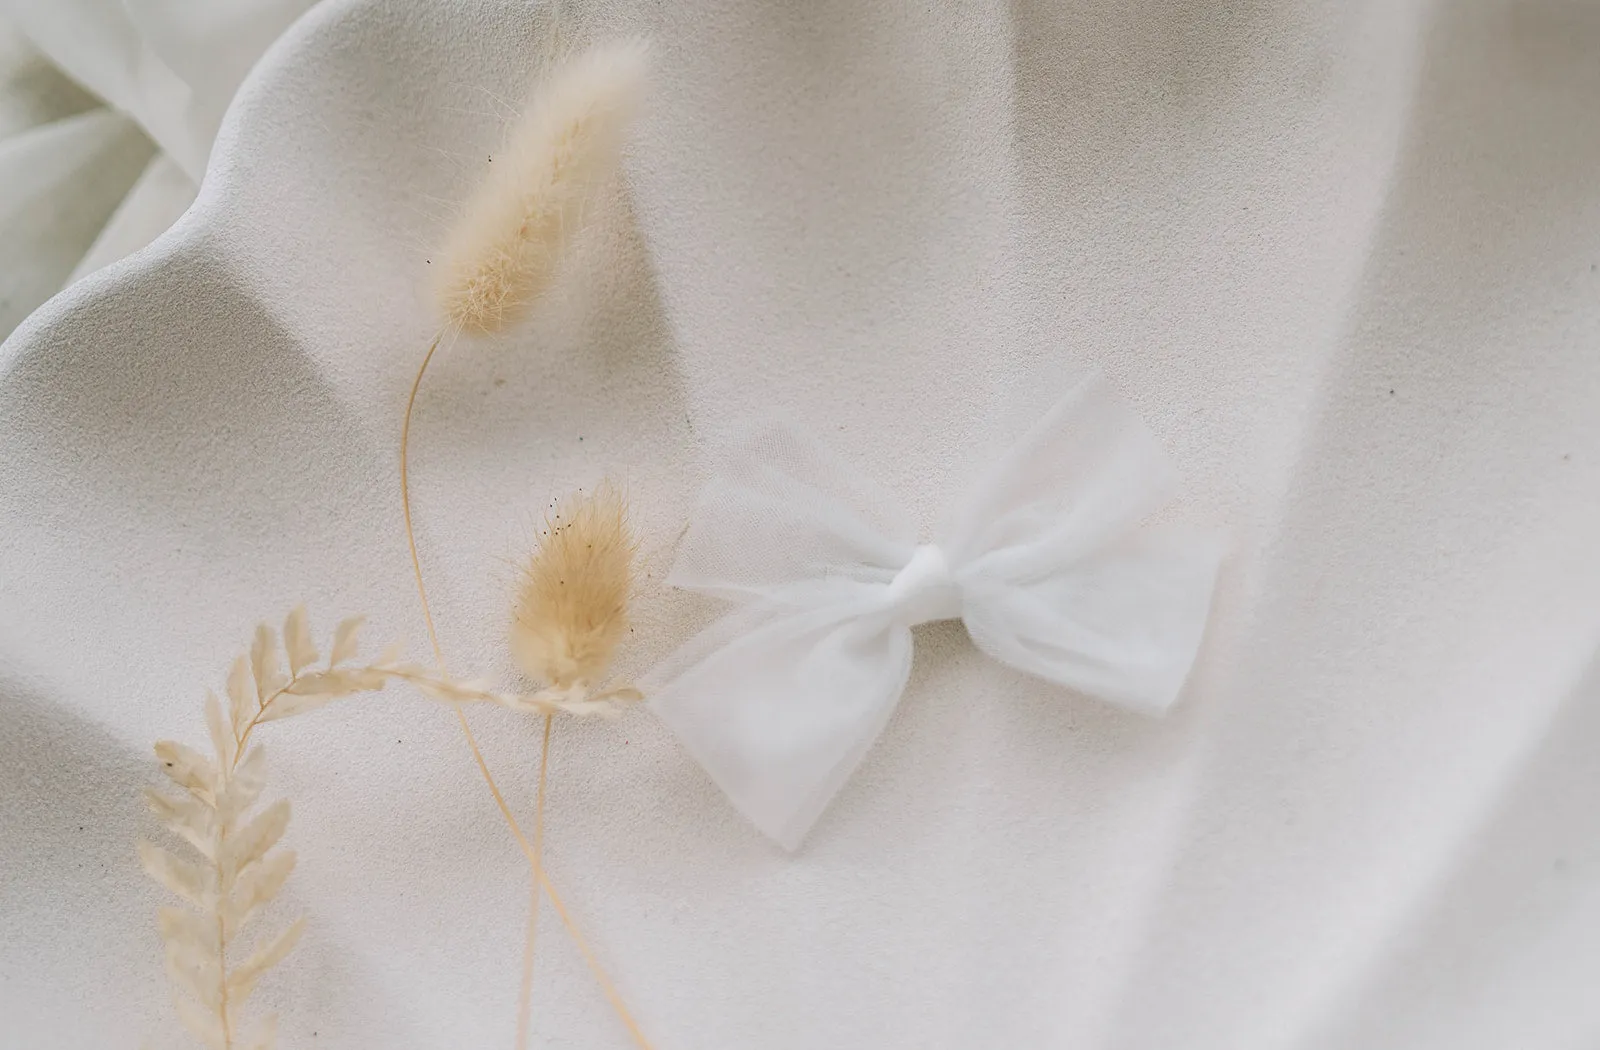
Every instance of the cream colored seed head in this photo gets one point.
(513, 232)
(571, 608)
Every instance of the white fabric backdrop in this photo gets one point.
(107, 113)
(1343, 258)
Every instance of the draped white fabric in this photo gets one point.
(115, 104)
(781, 700)
(1339, 255)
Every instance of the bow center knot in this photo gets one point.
(925, 590)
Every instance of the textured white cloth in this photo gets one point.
(1341, 258)
(781, 700)
(107, 113)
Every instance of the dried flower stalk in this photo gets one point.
(516, 229)
(235, 868)
(568, 617)
(500, 257)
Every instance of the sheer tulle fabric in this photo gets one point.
(781, 699)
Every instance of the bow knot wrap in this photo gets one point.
(1045, 564)
(925, 590)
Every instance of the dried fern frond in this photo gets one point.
(514, 231)
(571, 608)
(236, 866)
(236, 870)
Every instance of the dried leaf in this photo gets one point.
(323, 683)
(256, 887)
(165, 807)
(242, 981)
(187, 767)
(194, 968)
(297, 640)
(203, 1026)
(241, 693)
(261, 834)
(345, 640)
(366, 679)
(243, 788)
(340, 681)
(181, 809)
(182, 925)
(222, 738)
(176, 874)
(185, 816)
(264, 667)
(245, 869)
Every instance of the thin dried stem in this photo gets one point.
(405, 497)
(589, 958)
(594, 966)
(525, 999)
(499, 258)
(537, 873)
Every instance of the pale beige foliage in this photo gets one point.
(570, 612)
(539, 188)
(237, 866)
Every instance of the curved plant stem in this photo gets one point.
(584, 949)
(525, 999)
(540, 879)
(405, 497)
(606, 986)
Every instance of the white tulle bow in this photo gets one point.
(781, 699)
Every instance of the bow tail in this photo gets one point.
(1123, 624)
(780, 705)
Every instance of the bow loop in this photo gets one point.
(1082, 476)
(781, 699)
(785, 511)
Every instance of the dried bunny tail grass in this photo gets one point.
(568, 617)
(503, 251)
(571, 607)
(496, 261)
(514, 230)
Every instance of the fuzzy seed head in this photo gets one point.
(571, 608)
(514, 231)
